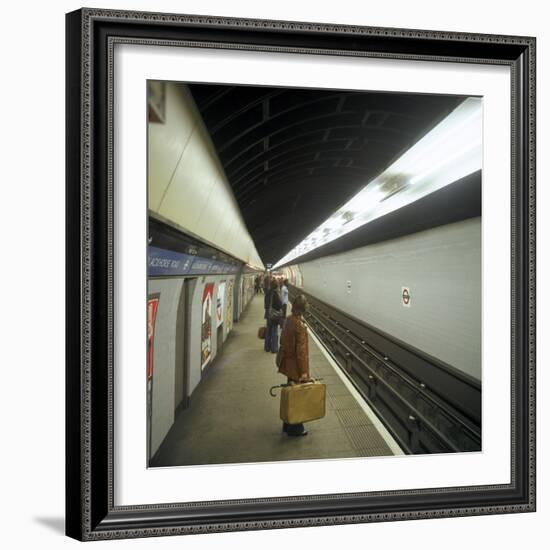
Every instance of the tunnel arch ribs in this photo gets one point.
(328, 143)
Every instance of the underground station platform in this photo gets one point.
(232, 418)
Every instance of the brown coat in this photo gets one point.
(294, 347)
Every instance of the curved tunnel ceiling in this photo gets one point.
(293, 156)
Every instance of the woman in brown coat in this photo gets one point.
(295, 354)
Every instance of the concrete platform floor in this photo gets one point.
(232, 418)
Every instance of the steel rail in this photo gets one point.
(390, 377)
(415, 384)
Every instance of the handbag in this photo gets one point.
(274, 315)
(261, 333)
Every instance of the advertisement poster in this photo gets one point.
(152, 306)
(229, 308)
(206, 327)
(219, 304)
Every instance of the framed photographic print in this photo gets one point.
(300, 274)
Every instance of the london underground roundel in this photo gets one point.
(405, 296)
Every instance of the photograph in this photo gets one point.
(271, 275)
(343, 231)
(301, 266)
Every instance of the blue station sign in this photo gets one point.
(161, 262)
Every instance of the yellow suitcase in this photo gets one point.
(303, 402)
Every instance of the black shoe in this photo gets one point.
(297, 435)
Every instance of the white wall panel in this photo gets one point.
(166, 144)
(224, 223)
(442, 268)
(192, 186)
(164, 357)
(231, 232)
(187, 184)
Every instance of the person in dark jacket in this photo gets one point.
(295, 354)
(267, 338)
(272, 301)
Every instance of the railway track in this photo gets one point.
(427, 408)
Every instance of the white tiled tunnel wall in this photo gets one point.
(164, 357)
(186, 183)
(442, 269)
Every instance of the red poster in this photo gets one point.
(206, 328)
(152, 306)
(220, 304)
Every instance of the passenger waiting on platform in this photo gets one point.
(267, 280)
(266, 295)
(284, 297)
(295, 354)
(273, 305)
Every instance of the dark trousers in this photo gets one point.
(293, 429)
(273, 327)
(271, 341)
(267, 339)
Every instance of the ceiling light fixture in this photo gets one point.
(450, 151)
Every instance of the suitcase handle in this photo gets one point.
(271, 390)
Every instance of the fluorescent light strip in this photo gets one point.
(449, 152)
